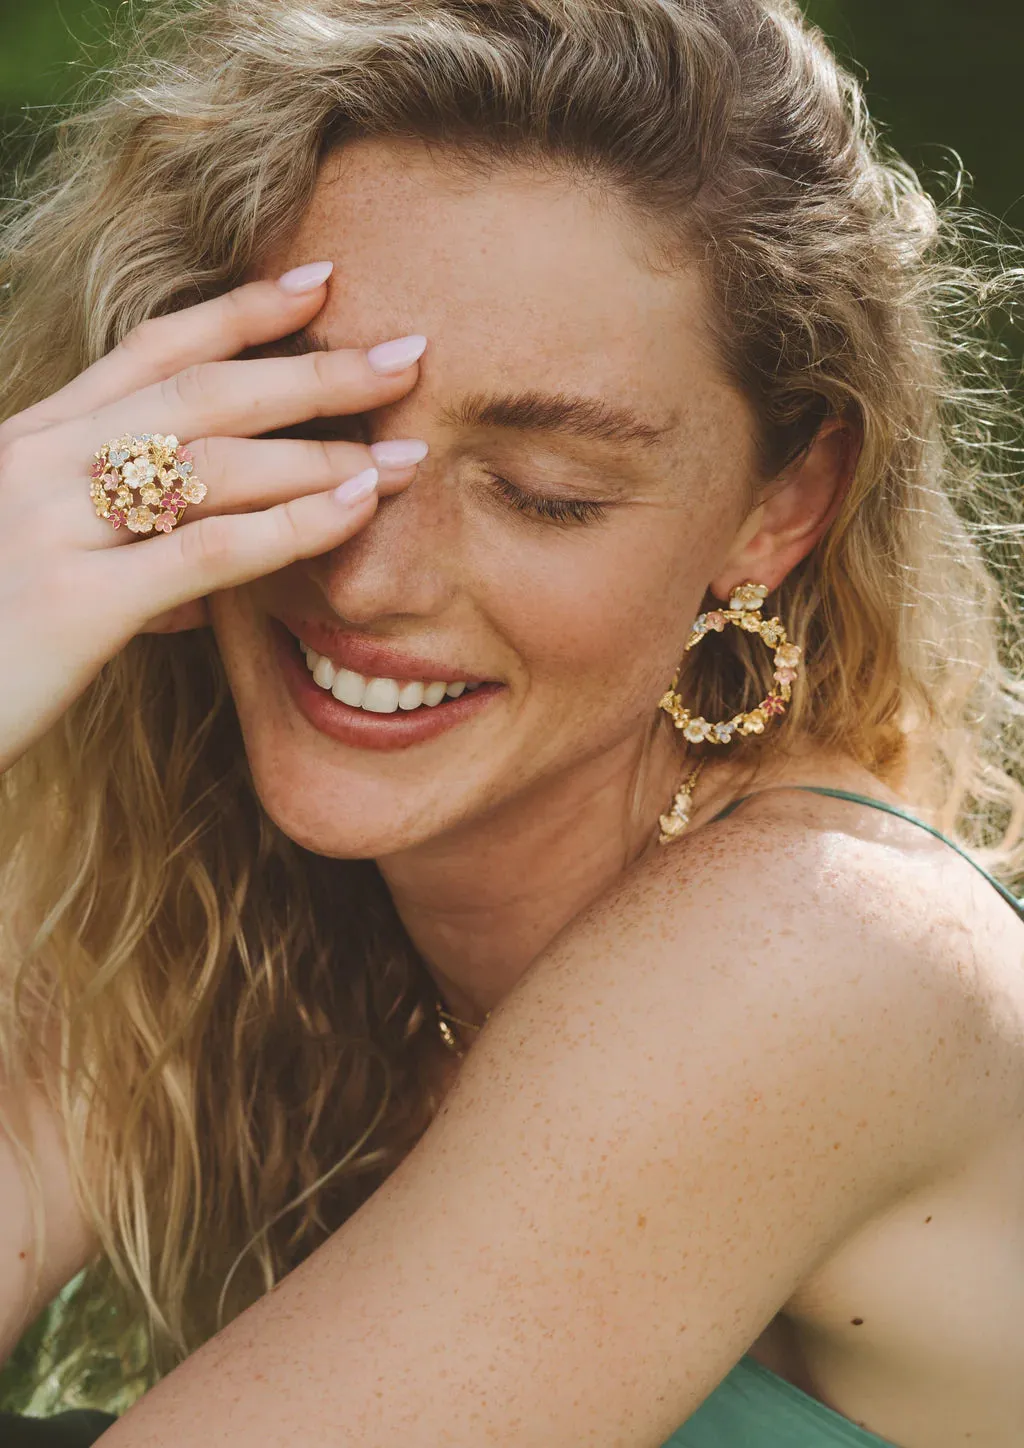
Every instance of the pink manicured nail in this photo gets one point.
(399, 453)
(305, 278)
(358, 488)
(396, 356)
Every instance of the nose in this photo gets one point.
(403, 564)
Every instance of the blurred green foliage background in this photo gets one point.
(943, 76)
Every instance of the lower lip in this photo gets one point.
(357, 727)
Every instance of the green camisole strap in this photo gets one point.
(891, 809)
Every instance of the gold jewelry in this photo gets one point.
(445, 1021)
(676, 821)
(744, 612)
(145, 483)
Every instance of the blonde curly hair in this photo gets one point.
(241, 1054)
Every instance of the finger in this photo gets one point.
(243, 399)
(226, 551)
(242, 475)
(213, 331)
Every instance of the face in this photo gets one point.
(590, 468)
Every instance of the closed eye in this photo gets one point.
(558, 510)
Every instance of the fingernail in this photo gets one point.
(396, 356)
(359, 487)
(305, 278)
(399, 453)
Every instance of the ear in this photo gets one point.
(794, 513)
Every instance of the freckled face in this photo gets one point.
(563, 566)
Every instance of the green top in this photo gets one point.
(755, 1408)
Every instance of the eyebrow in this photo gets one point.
(588, 418)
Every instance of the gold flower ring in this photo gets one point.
(144, 484)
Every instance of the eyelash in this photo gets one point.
(556, 510)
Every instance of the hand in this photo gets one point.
(73, 591)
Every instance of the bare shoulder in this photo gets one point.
(822, 928)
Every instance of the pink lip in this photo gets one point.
(361, 730)
(374, 660)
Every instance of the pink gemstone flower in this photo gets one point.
(173, 502)
(97, 470)
(773, 705)
(165, 523)
(716, 621)
(785, 676)
(118, 517)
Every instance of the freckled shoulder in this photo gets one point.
(860, 924)
(808, 870)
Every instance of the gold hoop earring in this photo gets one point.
(744, 612)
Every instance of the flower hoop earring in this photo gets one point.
(744, 612)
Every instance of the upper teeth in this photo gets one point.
(378, 696)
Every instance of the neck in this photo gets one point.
(482, 902)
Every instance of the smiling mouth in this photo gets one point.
(379, 695)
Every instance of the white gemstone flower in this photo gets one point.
(749, 596)
(193, 491)
(136, 474)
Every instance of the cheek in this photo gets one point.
(239, 640)
(601, 614)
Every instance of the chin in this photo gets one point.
(340, 813)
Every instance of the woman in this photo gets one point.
(630, 322)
